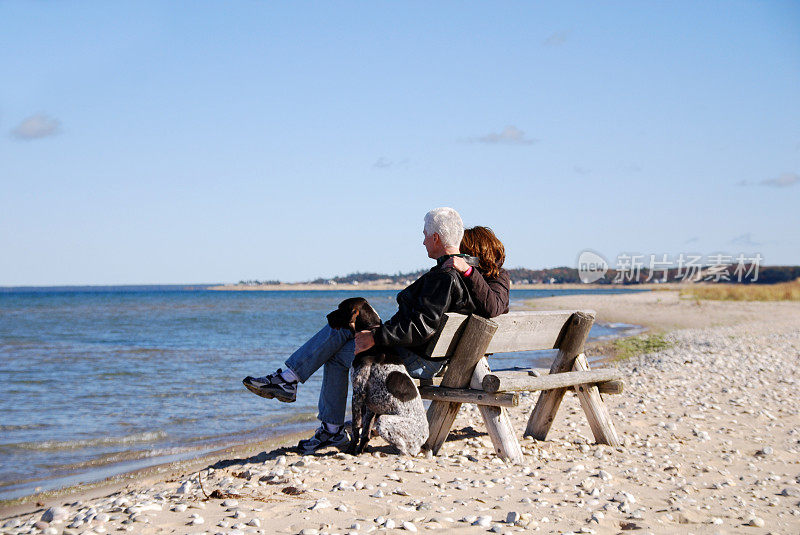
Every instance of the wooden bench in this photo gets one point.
(467, 340)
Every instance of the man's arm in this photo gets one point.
(417, 321)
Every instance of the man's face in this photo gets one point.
(431, 243)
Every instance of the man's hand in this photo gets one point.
(456, 262)
(364, 341)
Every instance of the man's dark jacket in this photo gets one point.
(421, 309)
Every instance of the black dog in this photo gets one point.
(382, 387)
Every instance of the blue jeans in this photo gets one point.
(333, 350)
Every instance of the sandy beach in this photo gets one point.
(711, 427)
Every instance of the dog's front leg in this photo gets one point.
(359, 401)
(366, 429)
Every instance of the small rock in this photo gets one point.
(230, 503)
(256, 523)
(756, 522)
(483, 521)
(185, 488)
(197, 520)
(389, 524)
(309, 531)
(791, 491)
(322, 503)
(408, 526)
(55, 514)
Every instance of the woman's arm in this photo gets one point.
(490, 293)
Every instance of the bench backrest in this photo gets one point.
(517, 331)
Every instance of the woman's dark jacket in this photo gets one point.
(421, 307)
(489, 293)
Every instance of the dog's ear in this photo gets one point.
(337, 319)
(401, 386)
(353, 317)
(368, 315)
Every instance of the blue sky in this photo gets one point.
(163, 142)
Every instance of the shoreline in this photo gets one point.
(282, 438)
(708, 435)
(301, 286)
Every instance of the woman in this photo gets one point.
(489, 284)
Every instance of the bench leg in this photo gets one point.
(570, 345)
(596, 411)
(497, 422)
(441, 415)
(470, 349)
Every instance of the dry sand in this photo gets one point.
(712, 445)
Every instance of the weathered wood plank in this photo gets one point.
(470, 349)
(570, 345)
(497, 423)
(610, 387)
(596, 411)
(469, 395)
(521, 382)
(516, 331)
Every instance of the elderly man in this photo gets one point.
(409, 331)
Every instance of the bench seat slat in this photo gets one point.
(516, 331)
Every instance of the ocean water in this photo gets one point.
(97, 382)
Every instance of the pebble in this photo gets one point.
(197, 520)
(55, 514)
(230, 503)
(791, 491)
(483, 521)
(322, 503)
(756, 521)
(256, 523)
(309, 531)
(512, 517)
(409, 526)
(185, 488)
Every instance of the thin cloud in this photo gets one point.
(783, 181)
(556, 38)
(692, 240)
(581, 170)
(385, 163)
(743, 183)
(746, 240)
(382, 163)
(511, 135)
(36, 127)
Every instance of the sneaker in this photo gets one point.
(272, 386)
(323, 439)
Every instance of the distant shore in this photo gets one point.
(302, 286)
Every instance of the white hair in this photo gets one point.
(447, 224)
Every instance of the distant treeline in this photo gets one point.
(559, 275)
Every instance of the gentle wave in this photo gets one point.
(57, 445)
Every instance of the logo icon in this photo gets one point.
(591, 266)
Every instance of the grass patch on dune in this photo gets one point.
(782, 291)
(625, 348)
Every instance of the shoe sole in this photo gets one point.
(268, 395)
(312, 450)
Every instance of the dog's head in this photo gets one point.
(355, 314)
